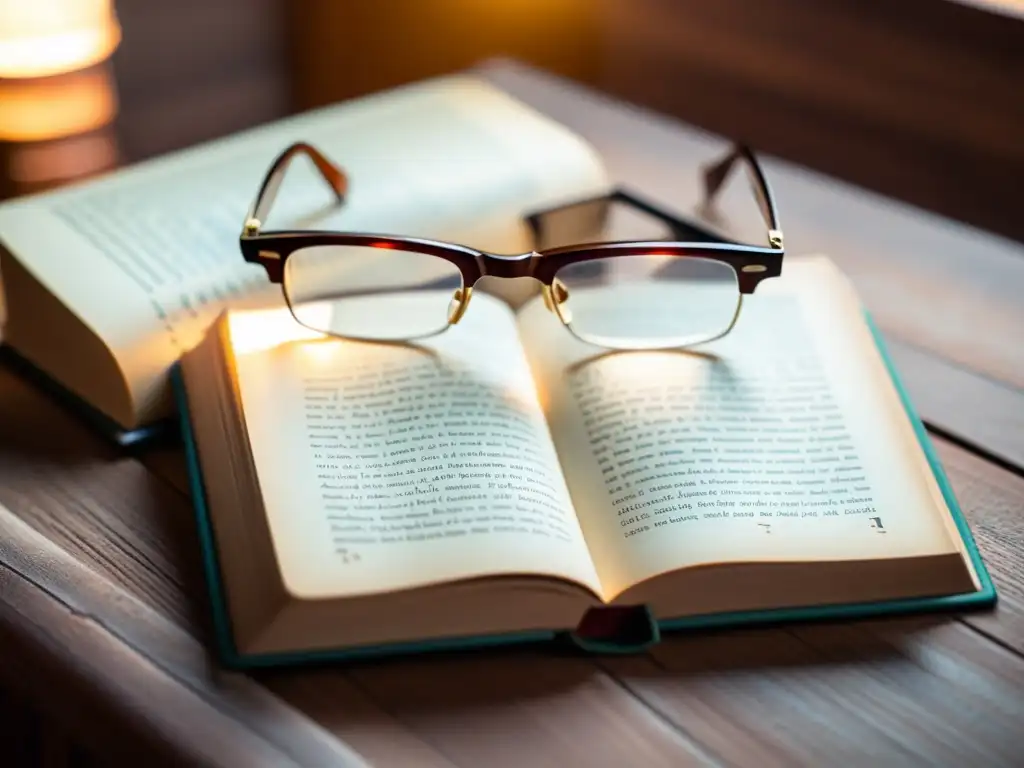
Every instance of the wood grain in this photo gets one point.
(129, 679)
(993, 500)
(493, 708)
(333, 700)
(525, 709)
(105, 510)
(886, 693)
(987, 415)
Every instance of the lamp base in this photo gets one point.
(56, 130)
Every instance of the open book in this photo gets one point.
(505, 480)
(108, 282)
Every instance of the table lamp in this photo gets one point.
(57, 96)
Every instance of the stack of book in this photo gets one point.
(546, 492)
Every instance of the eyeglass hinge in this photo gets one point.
(775, 238)
(251, 227)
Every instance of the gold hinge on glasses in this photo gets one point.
(775, 238)
(459, 304)
(555, 297)
(251, 227)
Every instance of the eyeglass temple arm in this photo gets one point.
(715, 176)
(332, 174)
(681, 229)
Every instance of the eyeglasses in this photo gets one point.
(681, 288)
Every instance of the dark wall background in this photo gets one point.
(344, 49)
(192, 70)
(921, 100)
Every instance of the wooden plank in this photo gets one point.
(146, 685)
(329, 697)
(105, 509)
(514, 709)
(944, 287)
(500, 708)
(993, 501)
(986, 415)
(916, 692)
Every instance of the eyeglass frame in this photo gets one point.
(750, 263)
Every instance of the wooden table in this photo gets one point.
(103, 616)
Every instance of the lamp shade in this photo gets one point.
(39, 38)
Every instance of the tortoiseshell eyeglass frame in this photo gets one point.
(751, 263)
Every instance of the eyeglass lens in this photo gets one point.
(372, 293)
(647, 301)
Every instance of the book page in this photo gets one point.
(388, 466)
(149, 256)
(782, 441)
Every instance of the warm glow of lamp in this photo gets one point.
(40, 38)
(57, 96)
(257, 330)
(39, 110)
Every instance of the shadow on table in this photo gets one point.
(98, 504)
(480, 685)
(33, 427)
(804, 646)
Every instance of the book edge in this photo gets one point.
(988, 589)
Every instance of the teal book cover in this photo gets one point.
(623, 630)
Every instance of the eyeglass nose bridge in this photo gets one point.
(520, 265)
(516, 265)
